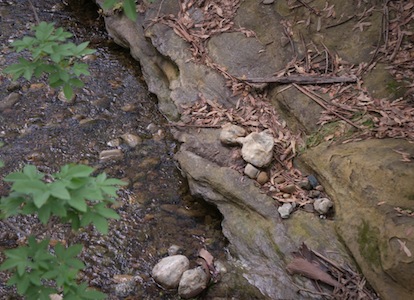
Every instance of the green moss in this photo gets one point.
(368, 244)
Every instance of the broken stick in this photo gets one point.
(301, 79)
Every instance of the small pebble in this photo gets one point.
(322, 205)
(314, 194)
(313, 181)
(285, 210)
(112, 154)
(251, 171)
(289, 189)
(262, 178)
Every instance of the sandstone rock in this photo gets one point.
(230, 133)
(9, 101)
(322, 205)
(258, 238)
(262, 178)
(362, 178)
(192, 283)
(168, 271)
(257, 148)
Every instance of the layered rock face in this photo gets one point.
(370, 182)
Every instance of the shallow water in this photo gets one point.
(156, 209)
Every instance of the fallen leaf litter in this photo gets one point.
(350, 104)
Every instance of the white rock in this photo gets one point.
(285, 210)
(322, 205)
(131, 140)
(257, 148)
(168, 271)
(230, 133)
(173, 250)
(251, 171)
(192, 283)
(113, 154)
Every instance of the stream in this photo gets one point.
(38, 128)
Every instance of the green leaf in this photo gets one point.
(76, 82)
(130, 9)
(78, 203)
(44, 213)
(105, 212)
(80, 69)
(78, 171)
(101, 224)
(43, 30)
(67, 91)
(109, 3)
(40, 198)
(58, 189)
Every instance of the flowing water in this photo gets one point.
(156, 209)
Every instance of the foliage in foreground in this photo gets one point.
(72, 196)
(51, 54)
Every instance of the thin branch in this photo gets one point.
(34, 12)
(302, 79)
(304, 91)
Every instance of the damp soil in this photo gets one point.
(39, 129)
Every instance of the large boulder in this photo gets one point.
(372, 185)
(259, 240)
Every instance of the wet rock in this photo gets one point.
(9, 101)
(192, 283)
(173, 250)
(114, 143)
(13, 86)
(285, 210)
(230, 133)
(168, 271)
(153, 128)
(257, 148)
(251, 171)
(126, 284)
(322, 205)
(113, 154)
(131, 140)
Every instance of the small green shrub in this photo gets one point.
(128, 6)
(51, 54)
(73, 196)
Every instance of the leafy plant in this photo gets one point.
(72, 195)
(53, 55)
(128, 7)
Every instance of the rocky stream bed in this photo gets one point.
(323, 87)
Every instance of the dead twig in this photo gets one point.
(304, 91)
(302, 79)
